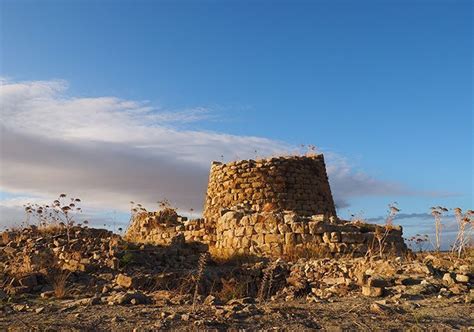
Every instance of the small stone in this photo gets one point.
(47, 294)
(124, 281)
(19, 307)
(372, 291)
(448, 279)
(39, 310)
(378, 308)
(462, 278)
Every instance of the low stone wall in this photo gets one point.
(153, 227)
(269, 234)
(277, 234)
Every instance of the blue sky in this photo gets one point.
(384, 85)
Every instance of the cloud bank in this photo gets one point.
(109, 151)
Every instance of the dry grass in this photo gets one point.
(293, 253)
(58, 279)
(51, 229)
(233, 289)
(233, 259)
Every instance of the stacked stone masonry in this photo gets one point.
(149, 227)
(284, 233)
(299, 184)
(269, 207)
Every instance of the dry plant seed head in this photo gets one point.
(437, 213)
(465, 229)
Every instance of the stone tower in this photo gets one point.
(292, 183)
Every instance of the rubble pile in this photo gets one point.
(166, 227)
(397, 279)
(104, 269)
(30, 257)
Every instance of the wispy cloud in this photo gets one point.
(109, 151)
(348, 182)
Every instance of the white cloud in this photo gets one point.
(109, 151)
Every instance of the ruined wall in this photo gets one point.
(237, 219)
(299, 184)
(277, 234)
(153, 227)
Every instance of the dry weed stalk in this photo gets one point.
(419, 241)
(381, 233)
(58, 279)
(392, 213)
(465, 227)
(266, 283)
(60, 213)
(233, 288)
(437, 213)
(200, 273)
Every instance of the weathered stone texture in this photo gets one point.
(267, 207)
(299, 184)
(150, 227)
(280, 233)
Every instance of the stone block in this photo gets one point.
(239, 231)
(372, 291)
(352, 237)
(290, 239)
(124, 281)
(327, 237)
(249, 231)
(299, 227)
(335, 237)
(284, 228)
(273, 238)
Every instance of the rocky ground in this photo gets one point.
(94, 280)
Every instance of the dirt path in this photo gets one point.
(343, 314)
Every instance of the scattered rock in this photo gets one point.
(378, 308)
(124, 281)
(372, 291)
(462, 278)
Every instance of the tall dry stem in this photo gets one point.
(465, 222)
(200, 273)
(266, 283)
(437, 213)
